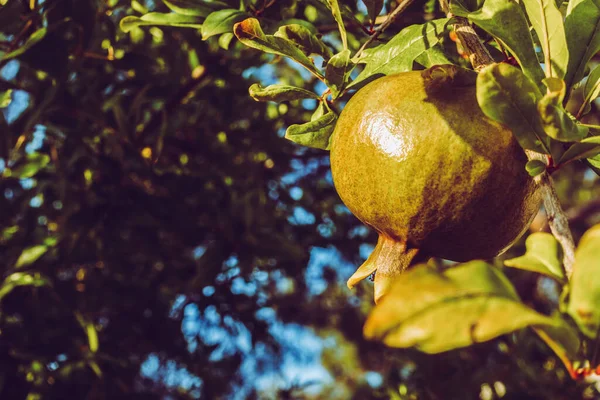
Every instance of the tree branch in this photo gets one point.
(557, 219)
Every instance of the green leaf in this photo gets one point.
(35, 37)
(30, 255)
(439, 311)
(507, 96)
(337, 15)
(582, 29)
(5, 98)
(279, 93)
(196, 8)
(373, 8)
(316, 133)
(506, 21)
(547, 21)
(542, 256)
(90, 331)
(250, 33)
(32, 164)
(591, 91)
(304, 39)
(225, 39)
(400, 52)
(556, 121)
(337, 72)
(433, 56)
(154, 18)
(221, 21)
(585, 284)
(563, 339)
(587, 148)
(20, 279)
(535, 167)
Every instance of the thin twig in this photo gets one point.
(557, 219)
(384, 25)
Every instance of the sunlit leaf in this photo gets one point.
(473, 302)
(221, 21)
(315, 133)
(337, 15)
(20, 279)
(506, 21)
(31, 255)
(542, 256)
(5, 98)
(32, 164)
(154, 18)
(400, 52)
(198, 8)
(279, 93)
(547, 21)
(582, 29)
(250, 33)
(35, 38)
(507, 96)
(433, 56)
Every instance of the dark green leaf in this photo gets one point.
(154, 18)
(197, 8)
(563, 339)
(473, 302)
(337, 15)
(547, 21)
(315, 133)
(582, 29)
(221, 21)
(373, 8)
(535, 167)
(506, 21)
(587, 148)
(556, 121)
(30, 166)
(304, 39)
(279, 93)
(400, 52)
(542, 256)
(30, 255)
(507, 96)
(585, 284)
(591, 91)
(250, 33)
(337, 72)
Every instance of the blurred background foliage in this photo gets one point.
(161, 240)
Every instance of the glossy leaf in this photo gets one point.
(316, 133)
(250, 33)
(307, 41)
(585, 284)
(542, 256)
(582, 29)
(198, 8)
(473, 302)
(279, 93)
(30, 255)
(30, 166)
(155, 18)
(373, 8)
(337, 15)
(547, 21)
(506, 21)
(400, 52)
(556, 121)
(221, 21)
(337, 72)
(507, 96)
(433, 56)
(587, 148)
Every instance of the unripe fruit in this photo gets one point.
(413, 156)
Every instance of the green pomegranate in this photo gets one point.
(414, 157)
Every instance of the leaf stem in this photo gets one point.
(557, 219)
(403, 5)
